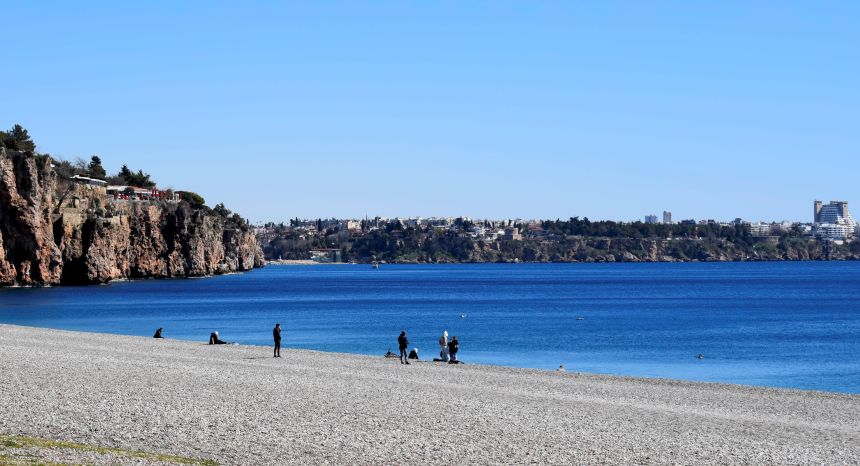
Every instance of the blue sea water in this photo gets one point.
(781, 324)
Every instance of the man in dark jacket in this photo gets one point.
(276, 333)
(453, 347)
(403, 343)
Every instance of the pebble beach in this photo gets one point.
(233, 404)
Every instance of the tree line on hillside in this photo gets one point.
(95, 169)
(392, 242)
(18, 139)
(555, 241)
(611, 229)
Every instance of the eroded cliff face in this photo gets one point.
(53, 232)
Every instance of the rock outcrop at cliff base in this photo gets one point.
(56, 232)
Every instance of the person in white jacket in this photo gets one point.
(443, 344)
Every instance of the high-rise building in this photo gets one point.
(651, 218)
(667, 217)
(833, 221)
(835, 212)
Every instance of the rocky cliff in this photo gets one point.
(56, 232)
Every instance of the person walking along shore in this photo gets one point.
(276, 334)
(403, 343)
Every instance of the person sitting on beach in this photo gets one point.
(453, 347)
(215, 340)
(403, 343)
(413, 354)
(158, 333)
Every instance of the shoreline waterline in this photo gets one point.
(287, 349)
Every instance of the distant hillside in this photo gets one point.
(573, 240)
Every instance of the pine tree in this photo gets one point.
(17, 139)
(95, 169)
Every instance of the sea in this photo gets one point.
(778, 324)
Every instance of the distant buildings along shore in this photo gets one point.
(466, 239)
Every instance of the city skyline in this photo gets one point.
(667, 217)
(491, 110)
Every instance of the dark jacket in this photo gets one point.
(276, 333)
(403, 342)
(453, 346)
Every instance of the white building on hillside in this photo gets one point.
(760, 229)
(833, 232)
(87, 180)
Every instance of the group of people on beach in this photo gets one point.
(448, 348)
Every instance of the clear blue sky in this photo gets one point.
(610, 110)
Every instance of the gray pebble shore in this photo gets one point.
(238, 405)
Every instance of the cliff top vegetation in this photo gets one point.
(18, 139)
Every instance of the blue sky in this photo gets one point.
(609, 110)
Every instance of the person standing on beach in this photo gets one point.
(443, 345)
(276, 333)
(403, 343)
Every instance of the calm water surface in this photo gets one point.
(778, 324)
